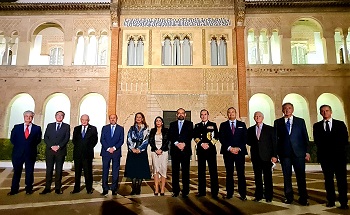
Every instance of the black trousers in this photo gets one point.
(213, 172)
(57, 160)
(182, 160)
(86, 165)
(330, 168)
(263, 169)
(17, 172)
(230, 161)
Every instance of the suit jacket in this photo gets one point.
(185, 136)
(206, 134)
(23, 147)
(239, 139)
(84, 147)
(296, 142)
(57, 138)
(266, 147)
(165, 142)
(331, 146)
(108, 142)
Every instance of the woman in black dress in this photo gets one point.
(137, 167)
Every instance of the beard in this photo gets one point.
(180, 117)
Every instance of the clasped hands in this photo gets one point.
(159, 152)
(205, 146)
(234, 150)
(55, 148)
(136, 151)
(181, 146)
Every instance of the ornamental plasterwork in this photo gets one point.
(162, 4)
(86, 24)
(219, 36)
(135, 36)
(259, 23)
(9, 25)
(176, 22)
(220, 79)
(136, 79)
(180, 35)
(171, 102)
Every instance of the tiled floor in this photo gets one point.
(147, 203)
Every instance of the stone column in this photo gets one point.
(286, 51)
(23, 53)
(113, 77)
(6, 52)
(241, 71)
(331, 53)
(86, 45)
(346, 52)
(257, 39)
(269, 43)
(68, 52)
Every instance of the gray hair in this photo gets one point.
(28, 112)
(259, 112)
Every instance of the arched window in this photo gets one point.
(214, 51)
(176, 52)
(252, 51)
(166, 49)
(333, 101)
(186, 52)
(79, 49)
(102, 49)
(92, 47)
(139, 52)
(307, 45)
(131, 52)
(222, 54)
(56, 56)
(263, 103)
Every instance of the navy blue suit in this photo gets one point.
(331, 153)
(108, 141)
(24, 152)
(292, 149)
(238, 139)
(179, 157)
(55, 138)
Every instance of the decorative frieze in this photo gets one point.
(176, 22)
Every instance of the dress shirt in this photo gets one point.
(235, 124)
(290, 121)
(256, 129)
(29, 127)
(330, 122)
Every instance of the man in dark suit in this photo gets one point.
(25, 138)
(84, 140)
(292, 142)
(56, 138)
(206, 136)
(331, 139)
(233, 139)
(112, 139)
(263, 152)
(180, 137)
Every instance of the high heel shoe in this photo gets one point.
(162, 194)
(156, 194)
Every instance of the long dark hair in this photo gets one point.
(158, 117)
(143, 119)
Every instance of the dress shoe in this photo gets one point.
(268, 200)
(228, 197)
(330, 204)
(75, 191)
(257, 199)
(243, 198)
(12, 193)
(288, 201)
(45, 191)
(29, 192)
(304, 202)
(90, 192)
(104, 193)
(59, 192)
(162, 194)
(175, 195)
(114, 193)
(200, 195)
(344, 207)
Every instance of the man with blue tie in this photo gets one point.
(292, 143)
(56, 138)
(180, 136)
(25, 138)
(233, 139)
(112, 139)
(84, 140)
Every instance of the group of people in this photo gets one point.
(287, 142)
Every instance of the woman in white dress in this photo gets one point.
(159, 151)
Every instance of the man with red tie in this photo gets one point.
(25, 138)
(233, 137)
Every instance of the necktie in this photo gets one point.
(26, 132)
(84, 132)
(180, 126)
(58, 127)
(112, 131)
(233, 128)
(328, 129)
(258, 132)
(288, 126)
